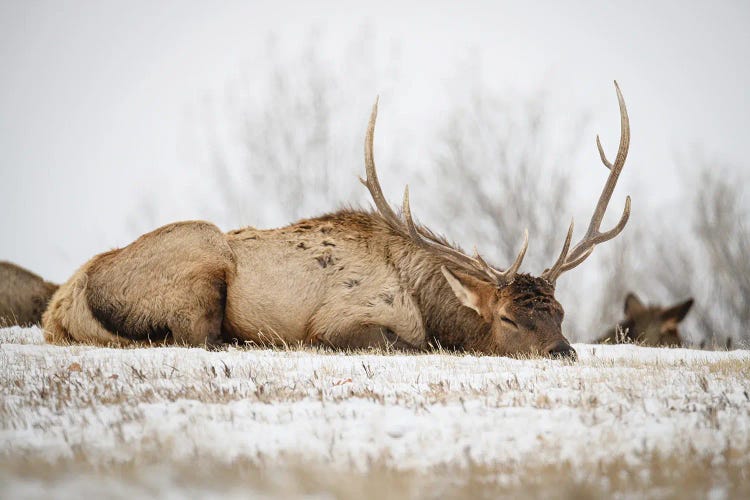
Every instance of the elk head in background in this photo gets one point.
(519, 312)
(648, 325)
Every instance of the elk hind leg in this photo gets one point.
(167, 286)
(202, 325)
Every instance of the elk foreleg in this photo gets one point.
(389, 319)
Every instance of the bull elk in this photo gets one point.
(648, 325)
(349, 279)
(23, 295)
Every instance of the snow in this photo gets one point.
(81, 409)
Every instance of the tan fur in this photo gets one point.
(23, 295)
(332, 285)
(648, 325)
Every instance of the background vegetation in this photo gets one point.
(287, 145)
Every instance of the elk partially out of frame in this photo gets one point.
(23, 295)
(349, 279)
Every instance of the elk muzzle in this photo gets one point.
(562, 350)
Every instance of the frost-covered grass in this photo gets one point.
(78, 420)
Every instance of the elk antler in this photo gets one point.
(594, 236)
(417, 234)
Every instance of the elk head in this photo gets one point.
(519, 311)
(654, 325)
(523, 314)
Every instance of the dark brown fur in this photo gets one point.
(23, 295)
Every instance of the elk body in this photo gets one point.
(23, 295)
(648, 325)
(349, 279)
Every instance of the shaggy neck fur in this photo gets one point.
(448, 323)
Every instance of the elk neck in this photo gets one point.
(448, 323)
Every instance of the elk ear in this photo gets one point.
(677, 312)
(470, 291)
(633, 305)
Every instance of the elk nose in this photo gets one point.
(562, 350)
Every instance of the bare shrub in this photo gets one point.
(503, 167)
(702, 252)
(502, 170)
(712, 261)
(293, 137)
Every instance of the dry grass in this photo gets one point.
(624, 420)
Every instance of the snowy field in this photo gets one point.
(176, 422)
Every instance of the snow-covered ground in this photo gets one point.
(176, 422)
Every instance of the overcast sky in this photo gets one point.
(99, 101)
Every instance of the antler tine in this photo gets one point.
(372, 183)
(570, 263)
(508, 274)
(410, 226)
(492, 273)
(593, 234)
(603, 156)
(513, 269)
(552, 273)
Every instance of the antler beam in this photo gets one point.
(593, 235)
(417, 234)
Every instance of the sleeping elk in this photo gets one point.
(349, 279)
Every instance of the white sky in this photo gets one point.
(99, 100)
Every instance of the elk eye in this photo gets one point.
(509, 321)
